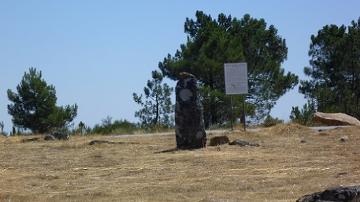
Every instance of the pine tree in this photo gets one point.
(334, 83)
(213, 42)
(34, 105)
(156, 104)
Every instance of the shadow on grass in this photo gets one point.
(173, 150)
(94, 142)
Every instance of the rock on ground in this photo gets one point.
(219, 140)
(337, 194)
(335, 119)
(243, 143)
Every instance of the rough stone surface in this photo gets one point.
(60, 135)
(335, 119)
(219, 140)
(243, 143)
(190, 132)
(338, 194)
(49, 138)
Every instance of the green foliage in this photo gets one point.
(213, 42)
(34, 105)
(223, 110)
(335, 69)
(303, 116)
(157, 109)
(271, 121)
(81, 129)
(116, 127)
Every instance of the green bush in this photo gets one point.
(33, 105)
(303, 116)
(116, 127)
(271, 121)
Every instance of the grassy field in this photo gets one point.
(291, 161)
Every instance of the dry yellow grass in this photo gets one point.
(281, 169)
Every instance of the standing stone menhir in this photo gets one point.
(190, 132)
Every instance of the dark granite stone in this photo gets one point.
(190, 132)
(337, 194)
(243, 143)
(219, 140)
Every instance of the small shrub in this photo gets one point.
(303, 116)
(116, 127)
(271, 121)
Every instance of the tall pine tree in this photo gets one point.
(213, 42)
(34, 105)
(334, 83)
(156, 106)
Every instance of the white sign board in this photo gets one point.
(236, 79)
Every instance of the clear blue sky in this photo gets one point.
(97, 53)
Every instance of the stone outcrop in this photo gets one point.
(337, 194)
(243, 143)
(335, 119)
(190, 132)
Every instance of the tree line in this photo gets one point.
(333, 83)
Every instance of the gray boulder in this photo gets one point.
(335, 119)
(337, 194)
(243, 143)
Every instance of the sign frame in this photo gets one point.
(236, 78)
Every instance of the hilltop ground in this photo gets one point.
(291, 161)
